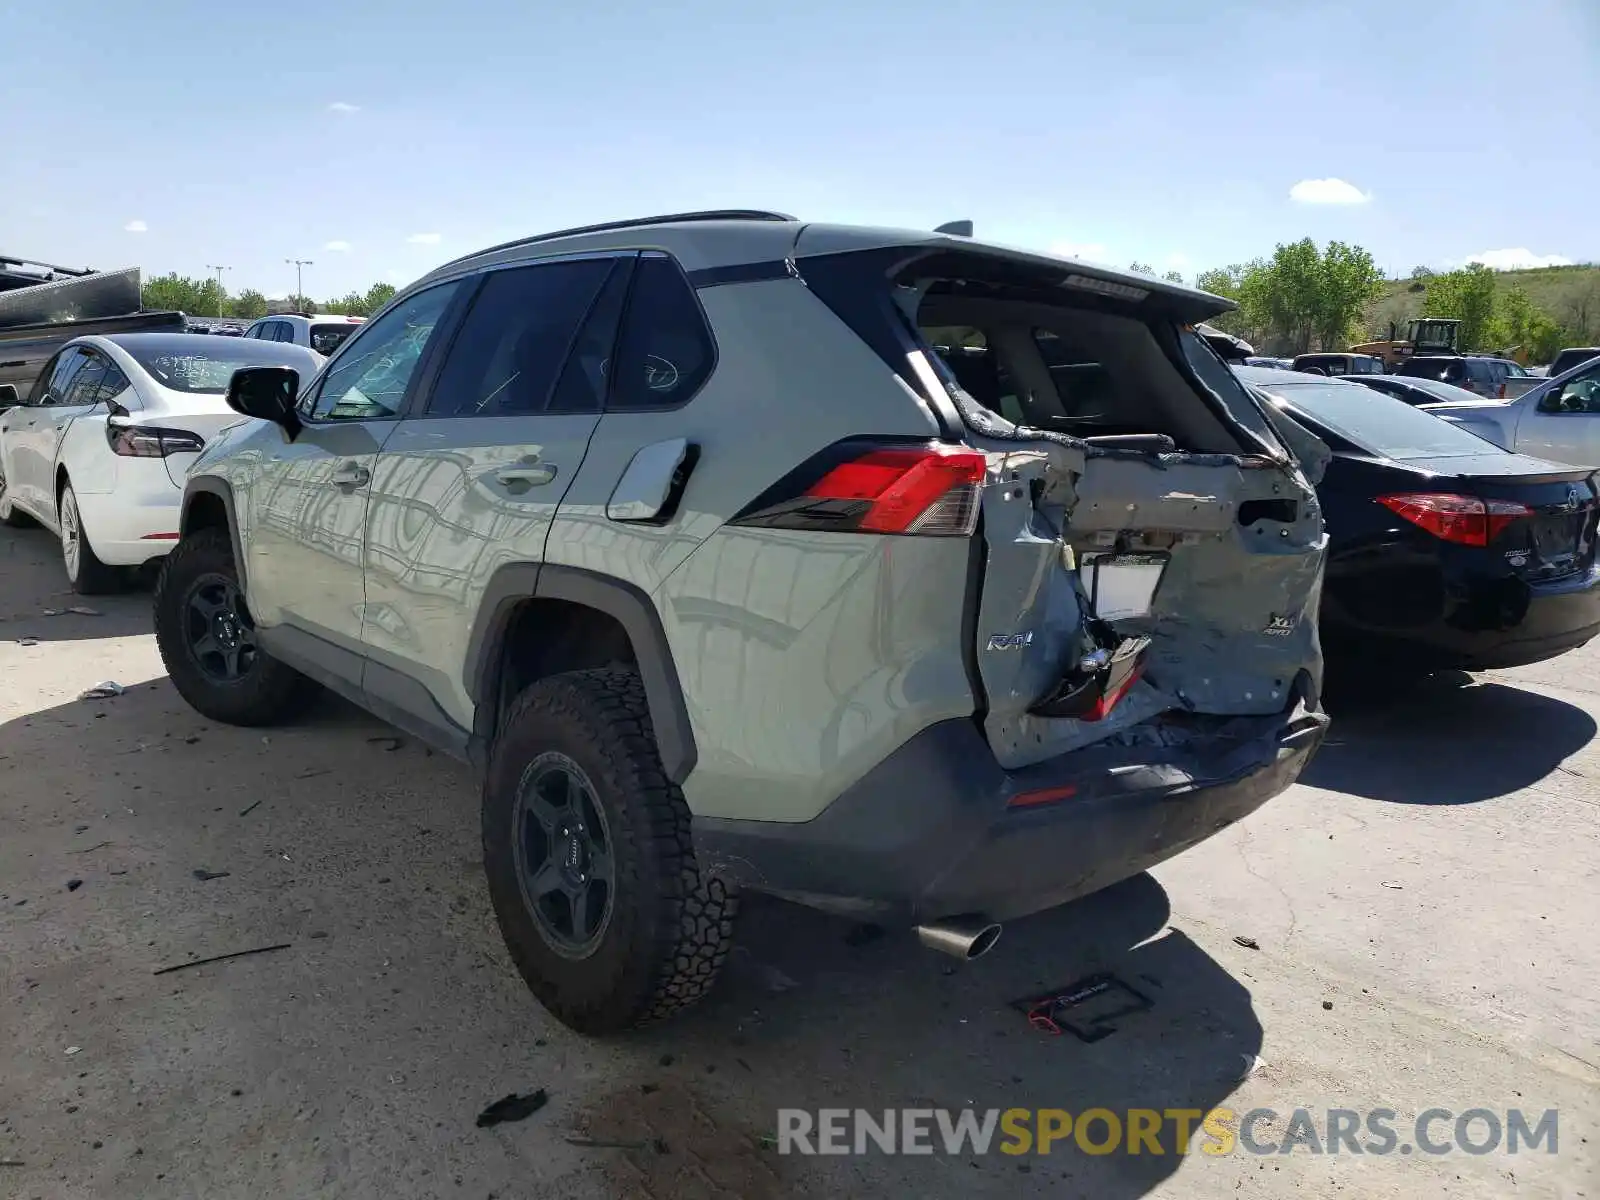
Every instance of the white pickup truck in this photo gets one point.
(1558, 420)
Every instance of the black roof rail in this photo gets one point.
(714, 214)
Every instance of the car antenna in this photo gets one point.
(958, 228)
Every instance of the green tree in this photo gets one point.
(1350, 280)
(1468, 295)
(1225, 282)
(1141, 268)
(1173, 277)
(1421, 272)
(377, 296)
(352, 304)
(179, 292)
(248, 305)
(1517, 322)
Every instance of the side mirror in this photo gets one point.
(267, 393)
(8, 397)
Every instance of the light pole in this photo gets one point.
(299, 287)
(219, 271)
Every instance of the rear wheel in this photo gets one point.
(207, 639)
(87, 574)
(590, 865)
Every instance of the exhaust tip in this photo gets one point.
(960, 937)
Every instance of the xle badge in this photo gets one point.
(1010, 641)
(1279, 626)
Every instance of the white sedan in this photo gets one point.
(98, 450)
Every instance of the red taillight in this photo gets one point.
(929, 489)
(1465, 520)
(142, 441)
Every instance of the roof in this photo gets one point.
(735, 237)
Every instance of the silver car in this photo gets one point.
(898, 573)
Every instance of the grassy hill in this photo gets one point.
(1569, 295)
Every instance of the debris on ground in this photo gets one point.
(775, 980)
(388, 743)
(512, 1108)
(312, 774)
(74, 1050)
(1249, 943)
(1327, 1005)
(203, 875)
(102, 691)
(74, 884)
(81, 611)
(578, 1139)
(96, 846)
(27, 641)
(1252, 1064)
(249, 808)
(1102, 997)
(216, 958)
(12, 1162)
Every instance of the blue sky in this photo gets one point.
(377, 143)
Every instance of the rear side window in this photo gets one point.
(665, 353)
(515, 339)
(327, 338)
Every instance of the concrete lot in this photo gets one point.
(1434, 880)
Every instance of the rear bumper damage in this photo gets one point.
(940, 829)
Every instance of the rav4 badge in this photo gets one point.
(1010, 641)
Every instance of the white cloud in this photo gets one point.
(1087, 251)
(424, 239)
(1179, 262)
(342, 106)
(1328, 191)
(136, 227)
(337, 246)
(1517, 259)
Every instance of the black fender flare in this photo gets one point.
(633, 610)
(211, 485)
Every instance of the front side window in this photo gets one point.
(515, 338)
(370, 377)
(1580, 394)
(665, 353)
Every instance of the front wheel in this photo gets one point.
(590, 865)
(207, 639)
(85, 572)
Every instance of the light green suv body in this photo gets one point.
(713, 468)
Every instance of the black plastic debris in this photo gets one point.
(512, 1108)
(74, 884)
(1085, 1008)
(1249, 943)
(216, 958)
(202, 874)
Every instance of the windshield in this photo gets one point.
(196, 369)
(1378, 423)
(325, 339)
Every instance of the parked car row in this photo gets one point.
(916, 578)
(97, 450)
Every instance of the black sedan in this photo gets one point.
(1444, 551)
(1415, 391)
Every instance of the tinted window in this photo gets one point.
(582, 387)
(369, 378)
(515, 339)
(184, 366)
(1446, 370)
(284, 332)
(59, 383)
(113, 384)
(666, 351)
(85, 386)
(1568, 359)
(325, 339)
(1380, 424)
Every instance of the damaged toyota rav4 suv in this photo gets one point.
(899, 574)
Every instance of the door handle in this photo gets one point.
(519, 479)
(350, 476)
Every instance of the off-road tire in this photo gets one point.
(268, 694)
(670, 926)
(94, 578)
